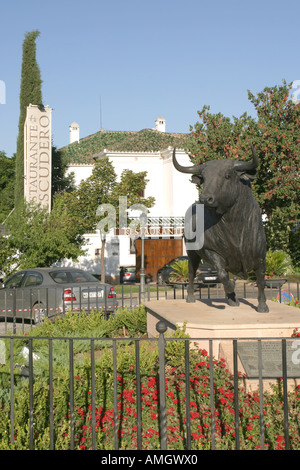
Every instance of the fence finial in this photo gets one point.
(161, 327)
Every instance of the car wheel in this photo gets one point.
(39, 312)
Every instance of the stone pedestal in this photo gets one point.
(215, 319)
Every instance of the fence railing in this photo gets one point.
(190, 406)
(288, 291)
(21, 312)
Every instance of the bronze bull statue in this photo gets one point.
(234, 238)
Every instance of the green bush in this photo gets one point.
(278, 264)
(181, 271)
(95, 324)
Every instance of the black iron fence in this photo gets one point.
(289, 291)
(188, 402)
(23, 308)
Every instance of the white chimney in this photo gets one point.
(74, 132)
(160, 124)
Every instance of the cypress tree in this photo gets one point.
(30, 92)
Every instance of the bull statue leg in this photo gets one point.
(194, 261)
(229, 286)
(260, 279)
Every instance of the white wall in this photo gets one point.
(172, 190)
(91, 261)
(152, 164)
(185, 193)
(81, 172)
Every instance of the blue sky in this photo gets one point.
(145, 59)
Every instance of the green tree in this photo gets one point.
(38, 238)
(216, 136)
(277, 139)
(30, 92)
(275, 133)
(60, 180)
(101, 188)
(7, 183)
(6, 256)
(83, 201)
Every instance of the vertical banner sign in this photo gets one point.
(38, 156)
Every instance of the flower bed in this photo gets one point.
(81, 412)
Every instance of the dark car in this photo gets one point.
(40, 292)
(127, 274)
(206, 273)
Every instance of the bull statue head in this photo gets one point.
(218, 179)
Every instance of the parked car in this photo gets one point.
(127, 274)
(206, 273)
(40, 292)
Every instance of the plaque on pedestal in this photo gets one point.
(271, 358)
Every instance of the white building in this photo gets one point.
(172, 190)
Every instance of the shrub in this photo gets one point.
(181, 271)
(278, 264)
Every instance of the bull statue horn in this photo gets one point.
(195, 169)
(248, 167)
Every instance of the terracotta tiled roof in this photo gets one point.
(146, 140)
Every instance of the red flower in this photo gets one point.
(151, 382)
(196, 436)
